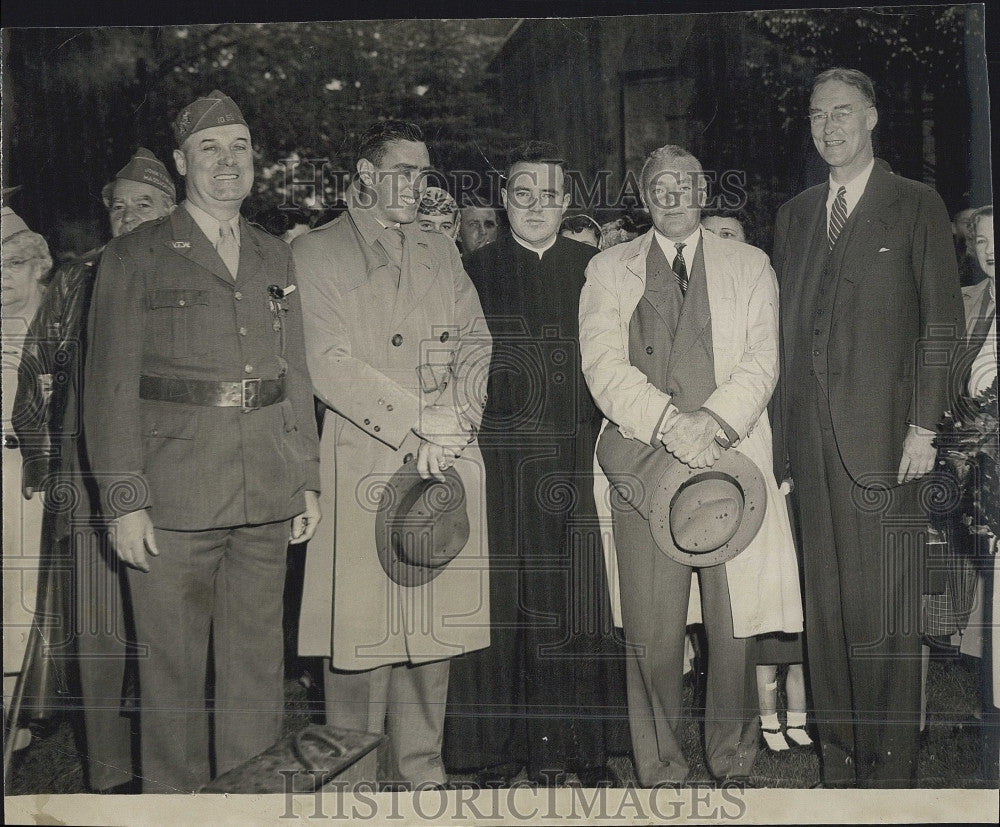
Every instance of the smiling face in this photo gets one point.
(674, 192)
(217, 166)
(397, 183)
(724, 226)
(535, 202)
(133, 203)
(983, 242)
(846, 146)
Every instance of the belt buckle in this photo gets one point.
(250, 397)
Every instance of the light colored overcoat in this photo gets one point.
(743, 299)
(377, 356)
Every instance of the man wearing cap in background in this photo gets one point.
(679, 341)
(398, 353)
(47, 416)
(200, 428)
(438, 213)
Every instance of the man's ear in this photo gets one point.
(503, 197)
(180, 162)
(366, 172)
(872, 118)
(565, 204)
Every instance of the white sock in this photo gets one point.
(770, 721)
(796, 719)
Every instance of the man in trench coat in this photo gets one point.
(399, 354)
(679, 343)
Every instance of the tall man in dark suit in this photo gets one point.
(199, 421)
(869, 304)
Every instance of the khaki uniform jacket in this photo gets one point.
(377, 355)
(165, 305)
(743, 300)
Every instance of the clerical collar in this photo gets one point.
(209, 224)
(538, 250)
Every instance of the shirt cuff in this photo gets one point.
(668, 411)
(922, 430)
(731, 435)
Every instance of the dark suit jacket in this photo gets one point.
(894, 321)
(165, 305)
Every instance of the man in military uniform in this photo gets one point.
(199, 423)
(47, 420)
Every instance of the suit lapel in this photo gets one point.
(695, 312)
(869, 221)
(189, 241)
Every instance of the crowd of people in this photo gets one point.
(524, 451)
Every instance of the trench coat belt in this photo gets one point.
(248, 394)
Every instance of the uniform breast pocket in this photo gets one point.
(180, 321)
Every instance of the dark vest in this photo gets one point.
(670, 341)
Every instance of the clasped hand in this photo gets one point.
(691, 438)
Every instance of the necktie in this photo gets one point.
(838, 215)
(227, 248)
(680, 268)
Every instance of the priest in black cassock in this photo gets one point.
(547, 695)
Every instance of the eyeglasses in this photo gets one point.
(837, 117)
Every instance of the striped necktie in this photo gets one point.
(680, 268)
(838, 215)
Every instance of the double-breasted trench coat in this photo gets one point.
(743, 300)
(377, 355)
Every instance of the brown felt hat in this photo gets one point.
(420, 525)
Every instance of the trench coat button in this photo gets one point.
(444, 336)
(397, 340)
(368, 422)
(381, 402)
(237, 295)
(408, 458)
(154, 432)
(248, 368)
(815, 353)
(817, 331)
(243, 331)
(649, 351)
(388, 407)
(182, 302)
(376, 429)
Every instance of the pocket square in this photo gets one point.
(884, 250)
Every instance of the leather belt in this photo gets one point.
(248, 394)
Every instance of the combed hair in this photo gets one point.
(852, 77)
(374, 141)
(536, 152)
(669, 152)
